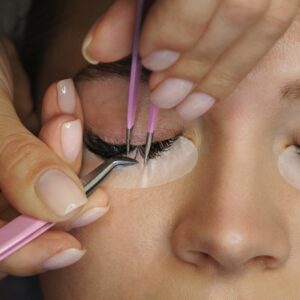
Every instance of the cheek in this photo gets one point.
(171, 165)
(289, 166)
(137, 227)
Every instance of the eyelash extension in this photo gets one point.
(106, 151)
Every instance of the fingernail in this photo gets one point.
(71, 139)
(160, 60)
(63, 259)
(59, 192)
(66, 96)
(171, 92)
(85, 48)
(89, 217)
(195, 106)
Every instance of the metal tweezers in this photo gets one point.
(24, 229)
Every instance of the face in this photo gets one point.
(227, 228)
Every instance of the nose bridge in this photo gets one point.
(233, 165)
(237, 188)
(233, 189)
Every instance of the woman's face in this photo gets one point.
(226, 228)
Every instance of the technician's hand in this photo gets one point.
(199, 50)
(36, 181)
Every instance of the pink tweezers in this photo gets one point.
(142, 7)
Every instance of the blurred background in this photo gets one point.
(16, 288)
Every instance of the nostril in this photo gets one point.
(203, 254)
(196, 258)
(269, 262)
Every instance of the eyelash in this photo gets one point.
(106, 151)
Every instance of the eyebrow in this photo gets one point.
(101, 71)
(291, 91)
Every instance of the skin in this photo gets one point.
(220, 60)
(228, 230)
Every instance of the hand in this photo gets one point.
(36, 181)
(199, 50)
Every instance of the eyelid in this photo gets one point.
(138, 137)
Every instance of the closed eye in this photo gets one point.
(101, 148)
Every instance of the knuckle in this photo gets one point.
(193, 69)
(243, 11)
(223, 79)
(219, 84)
(173, 23)
(279, 18)
(14, 267)
(16, 149)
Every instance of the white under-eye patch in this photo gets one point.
(289, 166)
(173, 164)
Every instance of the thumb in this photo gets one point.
(32, 178)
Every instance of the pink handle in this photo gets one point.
(135, 67)
(19, 232)
(152, 118)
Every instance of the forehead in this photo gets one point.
(257, 97)
(285, 54)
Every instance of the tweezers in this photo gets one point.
(24, 229)
(136, 67)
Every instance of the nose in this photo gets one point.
(231, 220)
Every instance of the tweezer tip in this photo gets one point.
(123, 161)
(148, 146)
(128, 140)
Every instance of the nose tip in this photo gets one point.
(231, 249)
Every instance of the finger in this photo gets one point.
(230, 22)
(229, 71)
(6, 83)
(61, 98)
(62, 120)
(22, 95)
(52, 250)
(63, 134)
(33, 179)
(60, 132)
(110, 39)
(96, 208)
(166, 22)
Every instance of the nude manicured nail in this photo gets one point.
(160, 60)
(63, 259)
(59, 192)
(86, 43)
(89, 217)
(195, 106)
(171, 92)
(71, 139)
(66, 96)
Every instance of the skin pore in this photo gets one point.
(227, 230)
